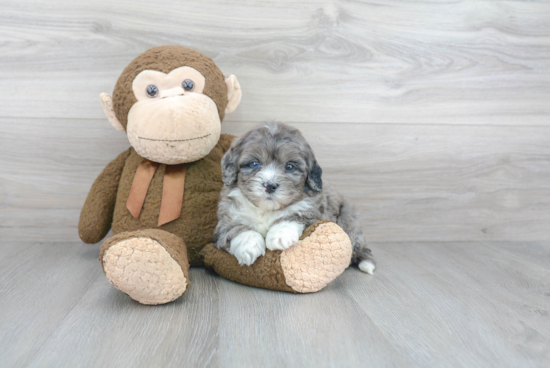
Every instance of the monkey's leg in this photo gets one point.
(150, 265)
(322, 254)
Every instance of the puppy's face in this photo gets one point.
(272, 176)
(273, 166)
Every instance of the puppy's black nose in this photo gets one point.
(270, 187)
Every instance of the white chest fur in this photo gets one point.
(258, 219)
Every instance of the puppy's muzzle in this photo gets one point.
(270, 187)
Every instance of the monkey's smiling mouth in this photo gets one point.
(174, 140)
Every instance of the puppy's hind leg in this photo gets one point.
(364, 261)
(350, 223)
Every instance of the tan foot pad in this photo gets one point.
(143, 269)
(317, 259)
(321, 255)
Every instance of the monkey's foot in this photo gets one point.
(322, 254)
(148, 265)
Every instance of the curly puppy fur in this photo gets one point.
(273, 190)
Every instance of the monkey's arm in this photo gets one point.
(225, 141)
(97, 213)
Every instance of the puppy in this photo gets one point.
(273, 191)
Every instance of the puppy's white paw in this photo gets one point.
(367, 266)
(247, 247)
(283, 235)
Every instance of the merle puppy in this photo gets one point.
(273, 191)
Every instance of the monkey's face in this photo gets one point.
(171, 101)
(172, 122)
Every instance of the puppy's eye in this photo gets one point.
(152, 91)
(188, 85)
(290, 167)
(254, 164)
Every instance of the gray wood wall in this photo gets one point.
(433, 116)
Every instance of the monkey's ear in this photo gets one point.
(229, 167)
(314, 181)
(234, 93)
(107, 103)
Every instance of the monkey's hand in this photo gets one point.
(97, 213)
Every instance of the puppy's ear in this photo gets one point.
(314, 182)
(229, 167)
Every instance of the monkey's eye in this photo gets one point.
(290, 167)
(152, 91)
(254, 164)
(188, 85)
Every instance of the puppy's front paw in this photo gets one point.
(247, 247)
(283, 235)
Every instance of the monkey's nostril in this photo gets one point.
(270, 187)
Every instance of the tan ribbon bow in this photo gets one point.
(172, 190)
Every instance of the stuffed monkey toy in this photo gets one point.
(160, 196)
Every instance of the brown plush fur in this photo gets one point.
(106, 202)
(185, 237)
(197, 221)
(266, 272)
(165, 59)
(97, 213)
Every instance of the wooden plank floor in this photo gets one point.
(428, 305)
(432, 116)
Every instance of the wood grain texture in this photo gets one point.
(409, 182)
(433, 117)
(477, 295)
(445, 62)
(473, 304)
